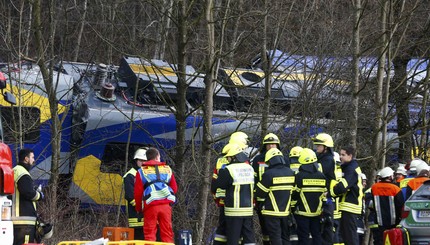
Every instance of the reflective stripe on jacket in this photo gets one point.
(238, 181)
(129, 180)
(387, 203)
(25, 197)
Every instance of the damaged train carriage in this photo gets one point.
(96, 104)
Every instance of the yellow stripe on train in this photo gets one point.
(30, 99)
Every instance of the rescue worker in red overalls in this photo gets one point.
(156, 186)
(270, 141)
(387, 202)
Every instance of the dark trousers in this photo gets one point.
(327, 228)
(336, 237)
(239, 227)
(138, 233)
(348, 228)
(306, 225)
(277, 227)
(23, 234)
(220, 233)
(264, 231)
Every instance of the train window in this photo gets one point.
(114, 155)
(29, 126)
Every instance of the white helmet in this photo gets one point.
(401, 170)
(140, 154)
(422, 166)
(415, 163)
(336, 157)
(45, 230)
(386, 172)
(363, 176)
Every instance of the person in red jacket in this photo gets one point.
(156, 188)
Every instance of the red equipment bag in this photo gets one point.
(396, 236)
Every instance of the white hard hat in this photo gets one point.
(363, 176)
(140, 154)
(401, 170)
(336, 157)
(422, 166)
(386, 172)
(415, 163)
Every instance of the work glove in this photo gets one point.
(139, 217)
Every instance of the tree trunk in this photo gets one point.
(267, 77)
(355, 71)
(81, 31)
(47, 75)
(207, 125)
(377, 151)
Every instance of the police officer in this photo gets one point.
(324, 148)
(259, 165)
(135, 220)
(309, 191)
(387, 202)
(350, 190)
(237, 178)
(275, 189)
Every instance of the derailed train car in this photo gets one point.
(102, 108)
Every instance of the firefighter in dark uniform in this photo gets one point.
(24, 214)
(275, 189)
(219, 195)
(135, 220)
(237, 178)
(294, 165)
(309, 192)
(350, 191)
(294, 158)
(270, 141)
(387, 202)
(324, 148)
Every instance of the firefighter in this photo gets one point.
(412, 173)
(361, 224)
(134, 219)
(259, 165)
(294, 158)
(350, 190)
(415, 183)
(337, 239)
(387, 202)
(237, 179)
(156, 186)
(294, 165)
(219, 195)
(324, 148)
(24, 213)
(275, 189)
(308, 192)
(400, 174)
(372, 221)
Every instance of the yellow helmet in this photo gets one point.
(272, 153)
(295, 151)
(307, 156)
(323, 139)
(234, 150)
(226, 148)
(239, 138)
(271, 139)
